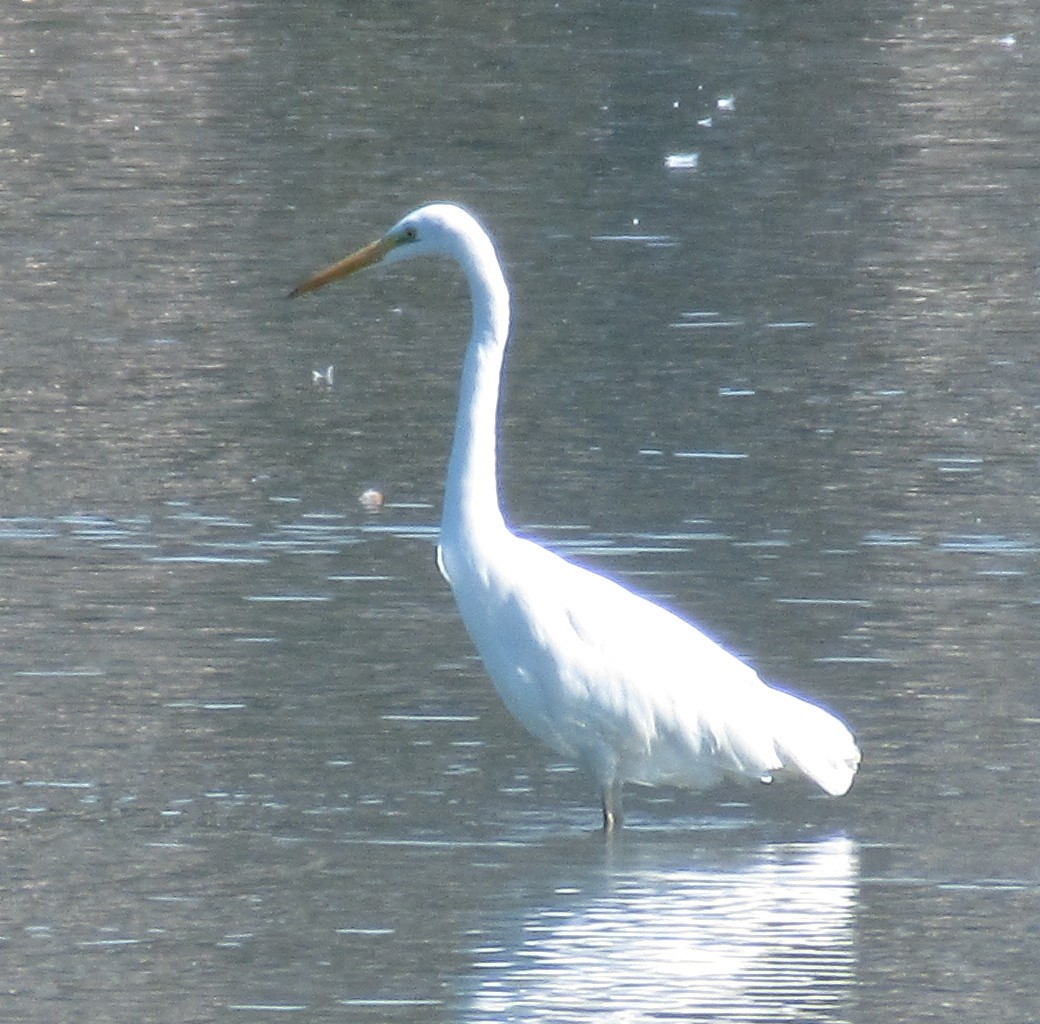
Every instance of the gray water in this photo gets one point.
(775, 284)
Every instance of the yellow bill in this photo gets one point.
(371, 253)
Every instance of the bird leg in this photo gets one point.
(612, 806)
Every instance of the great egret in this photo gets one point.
(607, 678)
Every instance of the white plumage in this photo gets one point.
(625, 688)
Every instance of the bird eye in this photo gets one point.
(409, 235)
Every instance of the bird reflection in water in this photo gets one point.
(765, 935)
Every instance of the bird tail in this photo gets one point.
(815, 743)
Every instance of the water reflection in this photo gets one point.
(765, 935)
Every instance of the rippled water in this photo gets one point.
(727, 935)
(776, 301)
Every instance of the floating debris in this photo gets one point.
(371, 499)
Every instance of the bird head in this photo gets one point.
(436, 228)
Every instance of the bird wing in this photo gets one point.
(608, 674)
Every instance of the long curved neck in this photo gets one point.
(471, 508)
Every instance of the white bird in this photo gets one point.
(606, 678)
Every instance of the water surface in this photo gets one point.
(775, 291)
